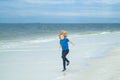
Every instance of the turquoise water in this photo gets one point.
(31, 31)
(36, 32)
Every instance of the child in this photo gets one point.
(65, 48)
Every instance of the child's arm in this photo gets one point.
(59, 47)
(71, 43)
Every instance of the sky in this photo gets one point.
(59, 11)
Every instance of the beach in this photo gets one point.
(106, 68)
(94, 57)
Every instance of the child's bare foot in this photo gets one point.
(68, 63)
(63, 70)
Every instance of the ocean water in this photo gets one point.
(16, 34)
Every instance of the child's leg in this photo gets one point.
(64, 64)
(64, 54)
(63, 57)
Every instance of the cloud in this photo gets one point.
(84, 13)
(97, 14)
(63, 9)
(50, 1)
(108, 2)
(100, 1)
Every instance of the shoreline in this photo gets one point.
(18, 43)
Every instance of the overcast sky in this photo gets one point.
(59, 11)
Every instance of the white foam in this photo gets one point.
(105, 32)
(15, 44)
(39, 40)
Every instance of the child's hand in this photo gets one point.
(72, 43)
(59, 48)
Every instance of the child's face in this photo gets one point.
(62, 37)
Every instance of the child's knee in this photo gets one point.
(63, 57)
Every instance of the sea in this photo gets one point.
(14, 34)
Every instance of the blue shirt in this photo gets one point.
(64, 44)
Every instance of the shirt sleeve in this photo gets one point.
(67, 39)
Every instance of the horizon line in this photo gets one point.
(59, 23)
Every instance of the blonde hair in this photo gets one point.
(64, 33)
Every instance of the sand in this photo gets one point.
(107, 68)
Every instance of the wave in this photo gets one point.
(18, 44)
(24, 42)
(92, 33)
